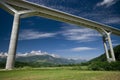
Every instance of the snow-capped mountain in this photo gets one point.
(32, 53)
(40, 57)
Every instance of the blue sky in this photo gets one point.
(65, 40)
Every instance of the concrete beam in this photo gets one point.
(6, 7)
(60, 16)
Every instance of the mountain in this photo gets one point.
(44, 59)
(39, 58)
(103, 56)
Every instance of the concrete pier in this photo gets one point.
(107, 39)
(13, 43)
(106, 49)
(111, 47)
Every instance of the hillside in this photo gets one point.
(103, 56)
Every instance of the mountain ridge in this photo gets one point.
(40, 57)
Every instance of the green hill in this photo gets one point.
(103, 56)
(100, 63)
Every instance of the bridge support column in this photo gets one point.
(106, 49)
(13, 43)
(106, 39)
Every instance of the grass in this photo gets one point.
(57, 74)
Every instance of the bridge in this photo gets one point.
(23, 9)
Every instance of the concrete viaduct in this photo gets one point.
(23, 9)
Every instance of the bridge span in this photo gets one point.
(23, 9)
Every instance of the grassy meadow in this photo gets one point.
(58, 74)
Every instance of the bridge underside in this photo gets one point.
(22, 9)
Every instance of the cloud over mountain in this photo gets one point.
(32, 53)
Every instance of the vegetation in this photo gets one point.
(39, 61)
(113, 66)
(103, 56)
(2, 64)
(96, 69)
(57, 74)
(98, 63)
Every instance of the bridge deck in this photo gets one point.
(57, 15)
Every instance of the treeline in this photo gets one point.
(113, 66)
(36, 64)
(29, 64)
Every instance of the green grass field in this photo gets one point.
(58, 74)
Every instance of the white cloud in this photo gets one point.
(32, 53)
(79, 34)
(70, 32)
(112, 20)
(55, 5)
(2, 54)
(75, 49)
(107, 3)
(115, 44)
(82, 49)
(31, 34)
(39, 52)
(103, 17)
